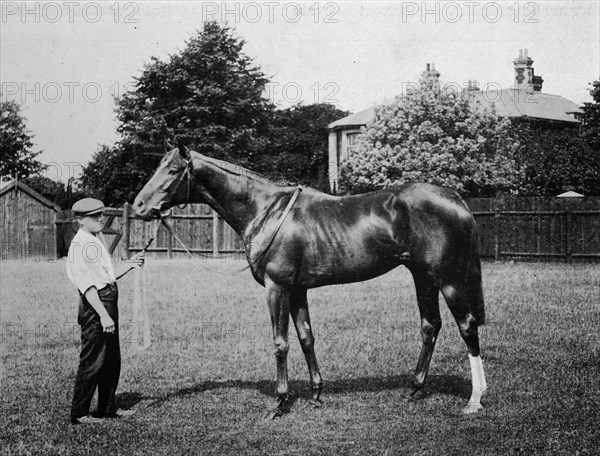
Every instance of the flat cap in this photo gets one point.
(88, 206)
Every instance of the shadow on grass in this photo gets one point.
(450, 385)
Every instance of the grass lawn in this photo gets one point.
(205, 383)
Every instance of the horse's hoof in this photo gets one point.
(272, 414)
(472, 407)
(316, 403)
(414, 395)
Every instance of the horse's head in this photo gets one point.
(170, 185)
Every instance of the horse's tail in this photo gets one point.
(474, 281)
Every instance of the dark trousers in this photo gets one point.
(100, 358)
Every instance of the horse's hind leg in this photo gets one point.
(458, 302)
(301, 317)
(428, 300)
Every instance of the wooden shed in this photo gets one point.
(27, 223)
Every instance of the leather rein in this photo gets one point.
(188, 172)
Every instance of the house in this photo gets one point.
(524, 100)
(27, 223)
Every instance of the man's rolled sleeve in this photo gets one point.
(89, 263)
(80, 269)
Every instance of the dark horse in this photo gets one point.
(326, 240)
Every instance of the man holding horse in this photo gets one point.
(90, 269)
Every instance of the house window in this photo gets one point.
(352, 139)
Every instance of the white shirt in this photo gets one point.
(89, 263)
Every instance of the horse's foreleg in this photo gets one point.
(468, 327)
(431, 322)
(278, 299)
(301, 317)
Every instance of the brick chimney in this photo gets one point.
(525, 79)
(430, 78)
(472, 86)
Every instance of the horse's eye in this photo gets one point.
(173, 171)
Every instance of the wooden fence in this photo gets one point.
(564, 229)
(199, 227)
(533, 228)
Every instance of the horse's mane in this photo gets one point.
(240, 171)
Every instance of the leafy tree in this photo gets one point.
(555, 158)
(436, 137)
(591, 119)
(210, 95)
(298, 149)
(63, 195)
(16, 143)
(114, 176)
(45, 186)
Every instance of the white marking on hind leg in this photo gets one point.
(479, 385)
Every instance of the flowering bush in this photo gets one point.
(434, 137)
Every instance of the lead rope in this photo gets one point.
(141, 321)
(169, 228)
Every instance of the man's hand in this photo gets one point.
(108, 325)
(136, 260)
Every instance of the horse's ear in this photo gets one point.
(183, 150)
(167, 145)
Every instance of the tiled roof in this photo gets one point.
(518, 103)
(508, 103)
(360, 118)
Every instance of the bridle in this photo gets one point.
(188, 173)
(189, 167)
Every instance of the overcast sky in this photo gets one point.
(64, 61)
